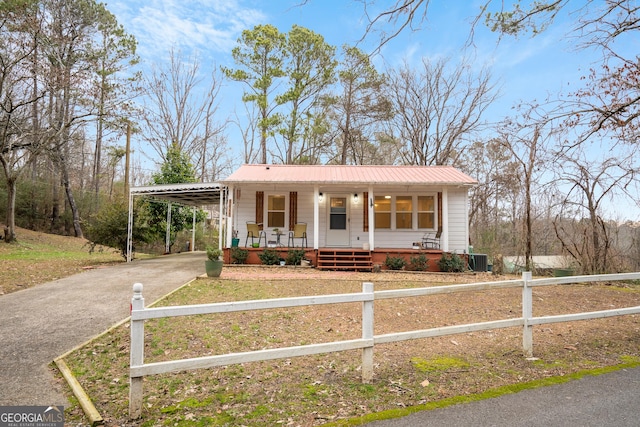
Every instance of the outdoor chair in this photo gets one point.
(430, 241)
(299, 232)
(254, 232)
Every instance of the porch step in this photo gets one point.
(344, 259)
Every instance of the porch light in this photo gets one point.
(320, 197)
(355, 198)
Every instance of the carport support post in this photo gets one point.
(137, 353)
(367, 333)
(527, 314)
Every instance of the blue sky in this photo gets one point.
(524, 68)
(212, 27)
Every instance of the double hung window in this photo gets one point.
(276, 205)
(404, 212)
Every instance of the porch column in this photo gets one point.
(193, 230)
(130, 228)
(227, 212)
(445, 220)
(316, 216)
(167, 237)
(371, 218)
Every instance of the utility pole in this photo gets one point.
(126, 162)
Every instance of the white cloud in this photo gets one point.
(190, 25)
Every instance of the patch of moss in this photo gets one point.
(439, 364)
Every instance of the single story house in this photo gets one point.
(352, 216)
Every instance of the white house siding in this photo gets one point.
(458, 237)
(245, 208)
(457, 227)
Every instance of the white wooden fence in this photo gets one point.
(139, 314)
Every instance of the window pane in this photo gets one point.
(383, 220)
(404, 210)
(403, 220)
(425, 220)
(403, 203)
(275, 219)
(276, 203)
(382, 211)
(426, 212)
(276, 211)
(338, 221)
(425, 203)
(382, 204)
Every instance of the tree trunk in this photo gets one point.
(72, 202)
(55, 202)
(10, 226)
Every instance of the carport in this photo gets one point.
(193, 194)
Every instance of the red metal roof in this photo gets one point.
(341, 174)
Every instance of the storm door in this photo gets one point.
(338, 221)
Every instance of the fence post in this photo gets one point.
(136, 354)
(527, 313)
(367, 333)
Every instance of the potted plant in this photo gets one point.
(213, 264)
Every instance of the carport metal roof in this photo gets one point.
(193, 194)
(190, 194)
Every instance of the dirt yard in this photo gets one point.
(314, 390)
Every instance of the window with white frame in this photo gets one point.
(382, 212)
(276, 205)
(403, 209)
(426, 212)
(404, 212)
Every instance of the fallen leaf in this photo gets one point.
(425, 383)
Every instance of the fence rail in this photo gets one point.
(139, 369)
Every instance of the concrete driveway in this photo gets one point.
(41, 323)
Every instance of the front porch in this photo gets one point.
(346, 259)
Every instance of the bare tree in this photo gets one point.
(19, 94)
(579, 224)
(179, 113)
(249, 132)
(492, 164)
(437, 109)
(528, 137)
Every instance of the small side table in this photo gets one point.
(278, 242)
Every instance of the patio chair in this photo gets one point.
(254, 231)
(430, 241)
(299, 232)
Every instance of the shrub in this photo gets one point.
(419, 263)
(451, 263)
(269, 257)
(294, 256)
(239, 255)
(109, 227)
(213, 254)
(394, 263)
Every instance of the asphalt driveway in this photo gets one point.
(41, 323)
